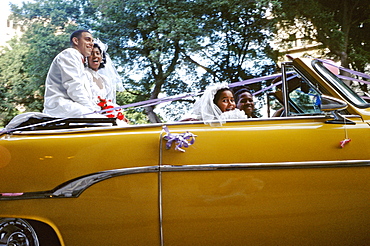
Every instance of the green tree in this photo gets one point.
(149, 36)
(238, 45)
(163, 38)
(158, 45)
(13, 80)
(47, 25)
(341, 26)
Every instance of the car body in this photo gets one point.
(288, 180)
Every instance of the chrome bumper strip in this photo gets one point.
(75, 187)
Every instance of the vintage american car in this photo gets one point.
(299, 178)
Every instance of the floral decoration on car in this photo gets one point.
(344, 142)
(181, 140)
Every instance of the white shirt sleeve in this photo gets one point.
(67, 87)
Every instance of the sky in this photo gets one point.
(4, 6)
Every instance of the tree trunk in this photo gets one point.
(153, 117)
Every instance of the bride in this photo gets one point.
(104, 77)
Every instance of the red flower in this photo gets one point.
(108, 107)
(102, 103)
(120, 116)
(107, 104)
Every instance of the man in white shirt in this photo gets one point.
(67, 87)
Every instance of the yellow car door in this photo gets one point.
(265, 182)
(297, 179)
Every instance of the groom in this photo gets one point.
(67, 87)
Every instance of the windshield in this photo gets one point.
(339, 85)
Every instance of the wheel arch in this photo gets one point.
(45, 233)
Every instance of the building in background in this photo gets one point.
(8, 29)
(295, 41)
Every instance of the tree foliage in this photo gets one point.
(25, 64)
(238, 45)
(161, 47)
(341, 26)
(149, 37)
(13, 78)
(165, 38)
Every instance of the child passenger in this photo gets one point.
(244, 101)
(216, 104)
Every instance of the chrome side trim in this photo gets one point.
(75, 187)
(262, 166)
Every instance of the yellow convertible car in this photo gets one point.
(301, 177)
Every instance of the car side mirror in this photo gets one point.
(333, 105)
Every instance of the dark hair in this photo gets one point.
(239, 91)
(218, 94)
(104, 58)
(76, 34)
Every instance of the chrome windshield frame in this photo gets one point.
(341, 87)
